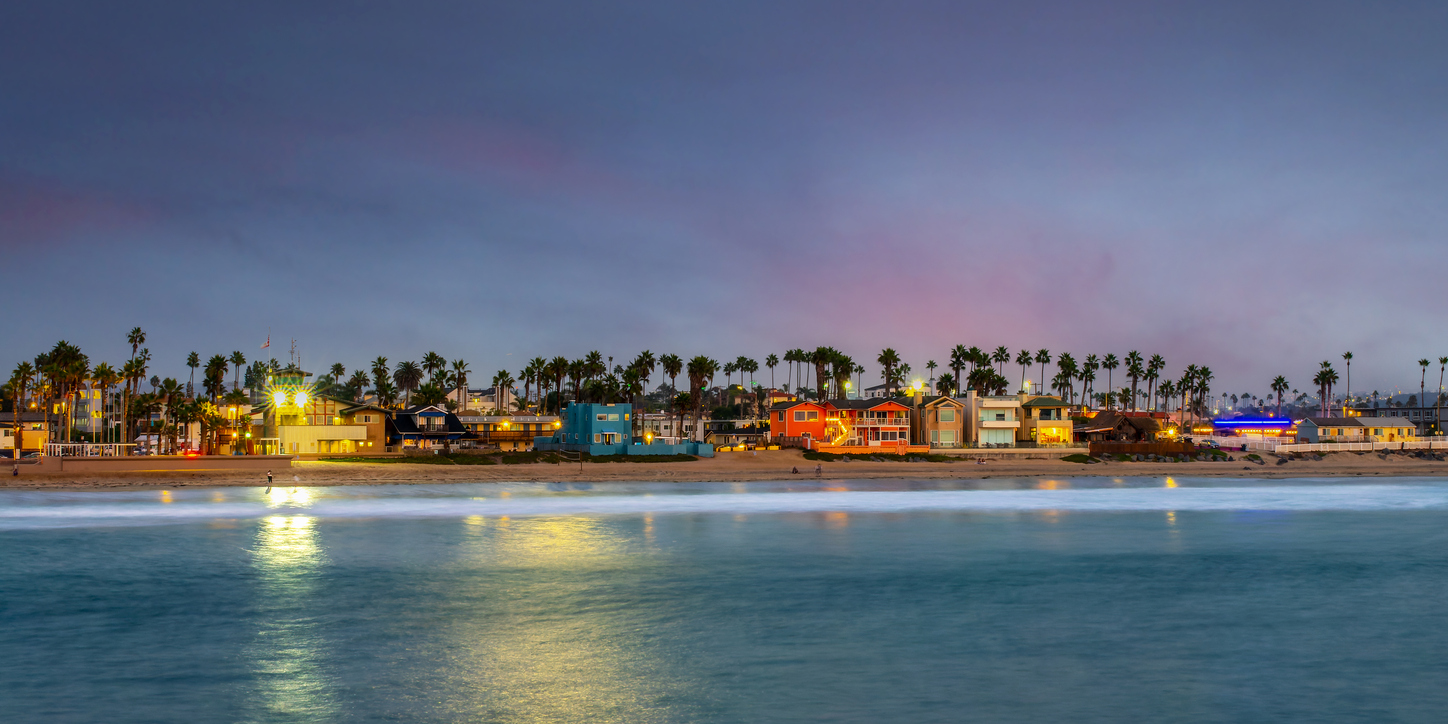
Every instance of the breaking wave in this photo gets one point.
(52, 510)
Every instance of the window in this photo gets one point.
(812, 415)
(1377, 431)
(798, 416)
(613, 417)
(1000, 417)
(889, 435)
(601, 417)
(934, 436)
(947, 414)
(780, 416)
(947, 436)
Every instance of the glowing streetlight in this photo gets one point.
(301, 398)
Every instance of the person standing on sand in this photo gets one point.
(819, 469)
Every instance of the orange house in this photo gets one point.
(797, 419)
(871, 422)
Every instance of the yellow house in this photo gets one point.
(1046, 420)
(33, 434)
(1388, 429)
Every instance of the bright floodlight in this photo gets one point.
(301, 399)
(279, 398)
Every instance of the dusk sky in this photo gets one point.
(1254, 187)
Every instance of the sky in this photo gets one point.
(1255, 187)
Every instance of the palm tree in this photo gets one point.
(502, 383)
(193, 361)
(557, 370)
(338, 372)
(701, 369)
(460, 380)
(1279, 386)
(20, 380)
(1134, 370)
(380, 377)
(930, 365)
(238, 360)
(136, 338)
(407, 377)
(1109, 363)
(1024, 359)
(1422, 383)
(432, 364)
(593, 365)
(841, 367)
(771, 362)
(1043, 357)
(1001, 356)
(1347, 395)
(358, 385)
(888, 360)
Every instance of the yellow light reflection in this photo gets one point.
(559, 654)
(1171, 483)
(1171, 517)
(288, 656)
(293, 497)
(165, 496)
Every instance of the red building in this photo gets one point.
(835, 424)
(797, 418)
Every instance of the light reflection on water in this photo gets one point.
(555, 656)
(288, 656)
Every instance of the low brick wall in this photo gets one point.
(1142, 448)
(1011, 453)
(164, 464)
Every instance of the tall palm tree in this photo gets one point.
(1043, 358)
(1024, 359)
(1109, 363)
(20, 380)
(502, 384)
(193, 361)
(1088, 376)
(432, 364)
(358, 384)
(888, 360)
(1001, 356)
(1422, 383)
(841, 365)
(407, 377)
(701, 369)
(1347, 395)
(1279, 386)
(1134, 370)
(460, 380)
(1154, 366)
(380, 377)
(930, 365)
(105, 377)
(136, 338)
(338, 372)
(238, 360)
(771, 362)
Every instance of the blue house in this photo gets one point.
(607, 429)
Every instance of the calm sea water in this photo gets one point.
(995, 601)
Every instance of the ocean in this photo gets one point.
(998, 600)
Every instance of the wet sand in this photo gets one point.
(733, 467)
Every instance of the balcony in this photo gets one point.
(1000, 423)
(878, 422)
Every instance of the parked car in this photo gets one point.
(1212, 444)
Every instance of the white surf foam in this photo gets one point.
(37, 513)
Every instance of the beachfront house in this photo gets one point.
(1046, 421)
(425, 427)
(1114, 426)
(993, 420)
(938, 421)
(797, 421)
(1356, 429)
(507, 432)
(871, 422)
(607, 429)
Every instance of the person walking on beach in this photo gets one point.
(268, 481)
(819, 469)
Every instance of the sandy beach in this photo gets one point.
(735, 467)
